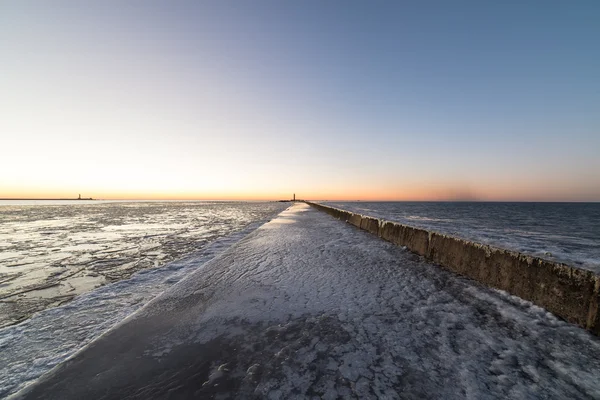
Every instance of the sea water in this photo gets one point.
(563, 232)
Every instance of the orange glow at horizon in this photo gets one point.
(365, 192)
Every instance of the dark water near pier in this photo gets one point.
(564, 232)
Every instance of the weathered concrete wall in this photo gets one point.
(570, 293)
(370, 225)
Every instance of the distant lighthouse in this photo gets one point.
(294, 197)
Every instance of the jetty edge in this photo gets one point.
(570, 293)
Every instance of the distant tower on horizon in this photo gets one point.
(79, 197)
(294, 197)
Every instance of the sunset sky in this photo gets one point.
(384, 100)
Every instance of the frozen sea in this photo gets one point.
(81, 267)
(563, 232)
(309, 307)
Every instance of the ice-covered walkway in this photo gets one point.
(307, 306)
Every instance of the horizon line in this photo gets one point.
(276, 200)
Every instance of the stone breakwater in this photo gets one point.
(570, 293)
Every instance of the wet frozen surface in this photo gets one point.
(29, 349)
(563, 232)
(307, 306)
(52, 251)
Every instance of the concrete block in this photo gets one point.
(390, 231)
(566, 291)
(355, 219)
(345, 215)
(593, 320)
(370, 225)
(460, 256)
(416, 240)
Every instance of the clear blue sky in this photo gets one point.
(338, 99)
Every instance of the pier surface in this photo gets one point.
(308, 306)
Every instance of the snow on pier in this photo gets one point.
(308, 306)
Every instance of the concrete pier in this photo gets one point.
(570, 293)
(307, 307)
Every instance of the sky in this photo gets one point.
(345, 100)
